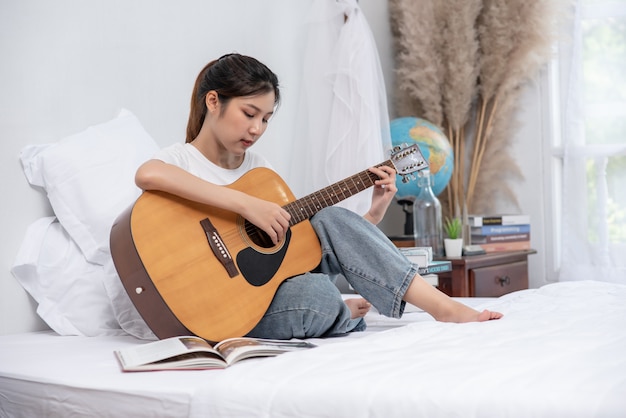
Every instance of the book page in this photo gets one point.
(236, 349)
(163, 349)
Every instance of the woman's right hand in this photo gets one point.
(270, 217)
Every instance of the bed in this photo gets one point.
(559, 351)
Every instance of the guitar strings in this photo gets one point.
(309, 205)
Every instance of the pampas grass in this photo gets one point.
(419, 66)
(460, 52)
(461, 64)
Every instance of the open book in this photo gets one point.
(191, 352)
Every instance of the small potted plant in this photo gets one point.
(454, 241)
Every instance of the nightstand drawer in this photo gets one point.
(494, 281)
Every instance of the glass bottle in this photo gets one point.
(427, 223)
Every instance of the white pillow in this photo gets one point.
(89, 178)
(69, 290)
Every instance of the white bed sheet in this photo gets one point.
(560, 351)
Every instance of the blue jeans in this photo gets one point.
(310, 305)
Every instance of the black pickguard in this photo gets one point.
(259, 268)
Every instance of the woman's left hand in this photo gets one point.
(384, 191)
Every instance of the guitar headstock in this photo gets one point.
(408, 159)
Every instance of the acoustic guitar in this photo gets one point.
(195, 269)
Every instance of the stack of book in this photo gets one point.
(426, 266)
(500, 232)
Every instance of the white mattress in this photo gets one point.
(560, 351)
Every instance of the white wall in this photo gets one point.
(68, 64)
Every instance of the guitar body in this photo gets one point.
(171, 265)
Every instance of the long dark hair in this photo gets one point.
(232, 75)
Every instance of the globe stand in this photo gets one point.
(407, 208)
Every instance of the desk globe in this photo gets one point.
(436, 150)
(434, 146)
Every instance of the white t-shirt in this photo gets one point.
(187, 157)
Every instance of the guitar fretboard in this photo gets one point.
(304, 208)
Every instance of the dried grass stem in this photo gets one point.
(469, 57)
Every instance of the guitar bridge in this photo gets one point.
(219, 249)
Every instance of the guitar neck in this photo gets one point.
(309, 205)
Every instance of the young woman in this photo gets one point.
(233, 100)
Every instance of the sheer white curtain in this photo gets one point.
(593, 57)
(343, 122)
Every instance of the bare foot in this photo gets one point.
(442, 307)
(359, 307)
(488, 315)
(455, 311)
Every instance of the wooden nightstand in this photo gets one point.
(486, 275)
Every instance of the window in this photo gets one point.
(590, 148)
(603, 27)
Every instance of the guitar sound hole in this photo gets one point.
(257, 236)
